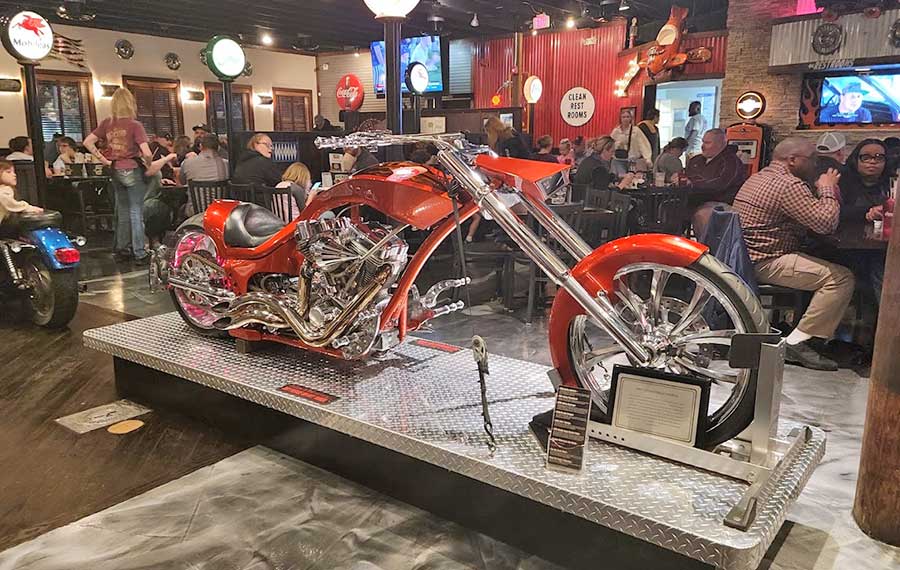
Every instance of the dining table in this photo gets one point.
(857, 236)
(658, 209)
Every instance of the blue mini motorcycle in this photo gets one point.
(38, 261)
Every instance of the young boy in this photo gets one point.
(8, 202)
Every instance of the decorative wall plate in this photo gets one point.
(173, 62)
(827, 39)
(124, 49)
(203, 56)
(248, 69)
(895, 34)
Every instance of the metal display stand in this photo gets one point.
(756, 456)
(421, 404)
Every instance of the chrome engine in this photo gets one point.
(336, 300)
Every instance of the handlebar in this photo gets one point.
(454, 142)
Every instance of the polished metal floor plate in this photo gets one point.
(424, 401)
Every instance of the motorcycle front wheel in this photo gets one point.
(53, 296)
(686, 318)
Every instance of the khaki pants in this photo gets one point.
(832, 285)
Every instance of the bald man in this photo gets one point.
(716, 175)
(777, 208)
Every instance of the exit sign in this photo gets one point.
(540, 22)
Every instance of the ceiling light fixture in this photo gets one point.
(570, 22)
(474, 23)
(624, 5)
(267, 39)
(75, 11)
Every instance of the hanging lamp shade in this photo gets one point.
(391, 8)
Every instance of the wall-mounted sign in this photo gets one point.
(827, 39)
(27, 36)
(540, 22)
(534, 88)
(172, 60)
(350, 93)
(577, 106)
(225, 57)
(417, 78)
(750, 105)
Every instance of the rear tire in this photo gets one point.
(180, 299)
(54, 295)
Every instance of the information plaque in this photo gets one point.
(568, 430)
(660, 404)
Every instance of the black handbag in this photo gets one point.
(622, 153)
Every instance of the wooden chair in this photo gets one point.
(571, 215)
(202, 194)
(242, 193)
(279, 200)
(26, 182)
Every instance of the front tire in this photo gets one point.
(687, 316)
(53, 298)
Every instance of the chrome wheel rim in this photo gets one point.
(195, 306)
(666, 314)
(41, 293)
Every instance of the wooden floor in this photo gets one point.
(50, 476)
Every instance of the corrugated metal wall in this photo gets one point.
(592, 59)
(340, 64)
(863, 38)
(492, 66)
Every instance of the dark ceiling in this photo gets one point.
(335, 24)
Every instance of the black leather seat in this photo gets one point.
(15, 223)
(250, 225)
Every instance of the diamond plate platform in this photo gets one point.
(425, 403)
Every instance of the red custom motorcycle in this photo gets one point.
(334, 283)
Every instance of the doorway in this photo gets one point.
(674, 98)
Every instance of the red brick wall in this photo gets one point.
(749, 39)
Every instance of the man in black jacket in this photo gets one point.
(256, 165)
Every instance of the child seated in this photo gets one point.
(8, 202)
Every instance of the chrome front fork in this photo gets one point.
(600, 309)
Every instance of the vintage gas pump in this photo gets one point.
(751, 138)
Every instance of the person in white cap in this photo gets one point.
(830, 152)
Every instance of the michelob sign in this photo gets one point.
(27, 36)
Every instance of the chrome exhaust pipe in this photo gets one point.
(264, 309)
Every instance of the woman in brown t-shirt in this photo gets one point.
(126, 147)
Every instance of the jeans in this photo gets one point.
(130, 189)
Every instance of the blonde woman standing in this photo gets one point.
(126, 148)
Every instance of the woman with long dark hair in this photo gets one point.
(865, 185)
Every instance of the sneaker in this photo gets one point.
(145, 261)
(804, 355)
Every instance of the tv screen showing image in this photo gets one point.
(860, 99)
(423, 49)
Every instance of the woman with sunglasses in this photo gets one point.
(865, 185)
(256, 166)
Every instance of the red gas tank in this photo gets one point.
(411, 193)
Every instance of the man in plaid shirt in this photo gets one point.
(777, 208)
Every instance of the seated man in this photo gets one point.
(777, 208)
(716, 174)
(830, 149)
(207, 166)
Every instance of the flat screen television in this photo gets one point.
(424, 49)
(871, 98)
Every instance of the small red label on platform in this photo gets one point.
(308, 394)
(437, 345)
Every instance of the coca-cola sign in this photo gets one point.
(350, 94)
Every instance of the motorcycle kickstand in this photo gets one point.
(479, 352)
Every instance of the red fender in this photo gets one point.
(595, 273)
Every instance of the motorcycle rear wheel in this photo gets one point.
(193, 239)
(53, 298)
(670, 316)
